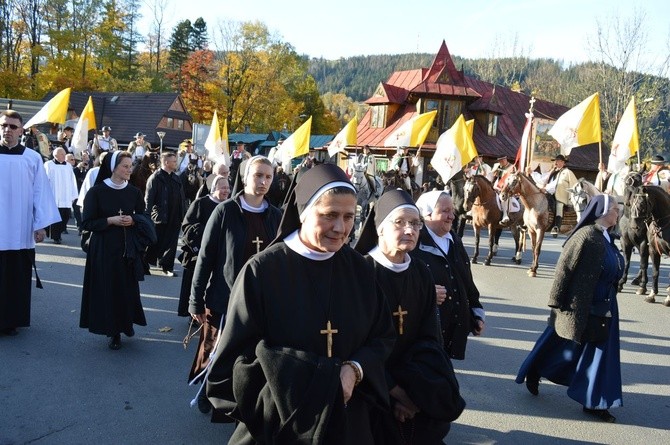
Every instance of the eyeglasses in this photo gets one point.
(11, 126)
(415, 224)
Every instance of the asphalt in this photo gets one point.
(60, 384)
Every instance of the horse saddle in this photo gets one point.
(514, 205)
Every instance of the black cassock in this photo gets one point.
(411, 294)
(285, 300)
(110, 301)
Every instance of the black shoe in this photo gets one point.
(115, 342)
(58, 241)
(203, 403)
(11, 332)
(533, 383)
(66, 232)
(601, 414)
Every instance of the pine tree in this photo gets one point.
(199, 38)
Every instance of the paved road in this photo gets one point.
(60, 384)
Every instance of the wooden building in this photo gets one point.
(130, 113)
(499, 113)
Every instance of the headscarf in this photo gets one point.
(315, 181)
(107, 166)
(380, 213)
(242, 173)
(215, 181)
(427, 201)
(597, 207)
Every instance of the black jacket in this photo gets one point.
(456, 313)
(157, 196)
(137, 240)
(221, 254)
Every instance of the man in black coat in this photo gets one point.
(443, 252)
(166, 205)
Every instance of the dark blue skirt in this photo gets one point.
(591, 371)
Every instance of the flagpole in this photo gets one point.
(600, 152)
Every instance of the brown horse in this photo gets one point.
(480, 199)
(141, 172)
(536, 216)
(392, 180)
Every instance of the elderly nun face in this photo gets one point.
(399, 232)
(327, 223)
(442, 216)
(220, 188)
(611, 216)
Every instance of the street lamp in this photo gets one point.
(161, 135)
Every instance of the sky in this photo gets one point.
(557, 29)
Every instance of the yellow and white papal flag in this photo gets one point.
(85, 123)
(412, 133)
(54, 111)
(453, 150)
(626, 140)
(297, 144)
(217, 148)
(346, 137)
(579, 125)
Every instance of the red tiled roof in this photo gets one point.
(392, 95)
(375, 137)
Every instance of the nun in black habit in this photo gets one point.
(420, 379)
(114, 216)
(301, 358)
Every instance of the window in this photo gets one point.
(432, 105)
(447, 112)
(180, 124)
(493, 124)
(378, 118)
(170, 122)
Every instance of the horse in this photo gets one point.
(150, 163)
(455, 187)
(580, 195)
(392, 180)
(481, 200)
(536, 216)
(365, 194)
(657, 204)
(191, 180)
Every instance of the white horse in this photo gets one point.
(580, 195)
(366, 195)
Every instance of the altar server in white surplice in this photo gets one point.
(64, 188)
(28, 207)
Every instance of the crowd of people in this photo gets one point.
(359, 349)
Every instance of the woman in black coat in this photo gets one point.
(192, 228)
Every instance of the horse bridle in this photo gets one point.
(469, 188)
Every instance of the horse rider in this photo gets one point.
(658, 174)
(404, 163)
(138, 148)
(187, 156)
(611, 182)
(104, 143)
(363, 162)
(480, 167)
(499, 173)
(556, 182)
